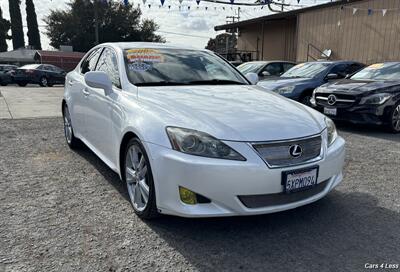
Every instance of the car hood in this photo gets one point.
(232, 112)
(275, 83)
(361, 86)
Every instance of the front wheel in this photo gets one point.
(72, 142)
(306, 100)
(394, 120)
(139, 180)
(43, 82)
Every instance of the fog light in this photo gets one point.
(187, 196)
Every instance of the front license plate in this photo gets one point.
(299, 180)
(330, 111)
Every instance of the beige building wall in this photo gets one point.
(277, 42)
(362, 37)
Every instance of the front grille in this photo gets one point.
(277, 154)
(342, 100)
(259, 201)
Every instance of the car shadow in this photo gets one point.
(103, 169)
(342, 232)
(379, 132)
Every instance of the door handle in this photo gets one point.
(85, 92)
(70, 82)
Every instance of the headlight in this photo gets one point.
(376, 99)
(285, 90)
(200, 144)
(331, 128)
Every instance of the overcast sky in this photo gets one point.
(194, 26)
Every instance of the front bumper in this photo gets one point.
(224, 182)
(360, 114)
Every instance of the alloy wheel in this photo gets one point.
(306, 100)
(67, 126)
(44, 82)
(396, 118)
(137, 178)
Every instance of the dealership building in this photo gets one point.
(363, 30)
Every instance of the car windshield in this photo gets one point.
(30, 66)
(250, 67)
(161, 67)
(379, 71)
(306, 70)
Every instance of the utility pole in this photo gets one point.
(96, 21)
(231, 20)
(96, 18)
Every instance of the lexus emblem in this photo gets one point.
(332, 99)
(295, 151)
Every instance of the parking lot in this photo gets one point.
(64, 210)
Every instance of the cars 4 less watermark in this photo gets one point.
(382, 266)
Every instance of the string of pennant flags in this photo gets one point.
(371, 11)
(255, 6)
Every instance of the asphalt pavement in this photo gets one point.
(64, 210)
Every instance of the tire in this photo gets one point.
(306, 99)
(2, 83)
(22, 84)
(70, 138)
(44, 82)
(394, 119)
(137, 175)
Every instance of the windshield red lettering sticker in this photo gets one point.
(143, 59)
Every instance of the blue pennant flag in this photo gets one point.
(162, 2)
(198, 2)
(126, 2)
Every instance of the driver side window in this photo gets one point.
(274, 69)
(89, 64)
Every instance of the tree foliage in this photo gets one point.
(220, 42)
(16, 24)
(33, 28)
(117, 22)
(4, 28)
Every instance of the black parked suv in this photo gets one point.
(6, 74)
(371, 96)
(45, 75)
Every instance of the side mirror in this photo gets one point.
(252, 77)
(265, 73)
(99, 80)
(332, 76)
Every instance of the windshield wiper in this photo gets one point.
(160, 83)
(215, 82)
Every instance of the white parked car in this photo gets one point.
(192, 137)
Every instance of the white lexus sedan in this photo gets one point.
(191, 136)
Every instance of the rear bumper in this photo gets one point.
(227, 183)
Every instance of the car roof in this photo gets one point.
(270, 61)
(334, 61)
(153, 45)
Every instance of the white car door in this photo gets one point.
(77, 90)
(100, 107)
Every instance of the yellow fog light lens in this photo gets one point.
(187, 196)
